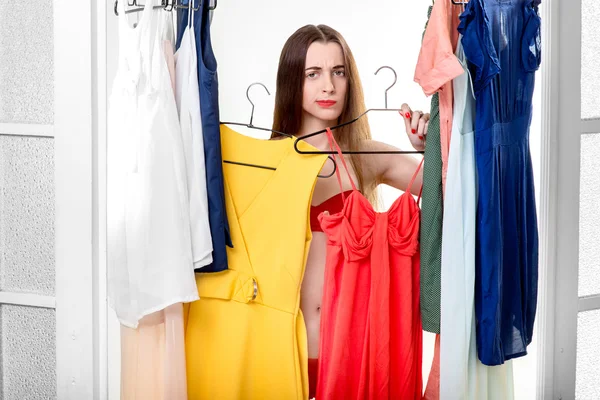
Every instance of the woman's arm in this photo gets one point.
(397, 170)
(392, 169)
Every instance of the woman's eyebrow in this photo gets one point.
(319, 68)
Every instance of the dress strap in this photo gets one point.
(408, 189)
(335, 147)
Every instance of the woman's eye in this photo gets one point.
(311, 75)
(340, 73)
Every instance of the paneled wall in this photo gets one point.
(27, 261)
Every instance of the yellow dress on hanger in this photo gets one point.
(245, 337)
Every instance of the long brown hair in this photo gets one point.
(290, 84)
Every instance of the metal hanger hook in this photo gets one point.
(393, 83)
(250, 100)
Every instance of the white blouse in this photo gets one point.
(150, 263)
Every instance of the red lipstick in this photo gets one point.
(326, 103)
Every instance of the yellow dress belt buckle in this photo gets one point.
(249, 290)
(254, 289)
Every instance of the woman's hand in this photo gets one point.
(416, 123)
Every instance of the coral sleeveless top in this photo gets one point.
(370, 319)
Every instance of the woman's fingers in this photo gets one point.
(407, 116)
(421, 128)
(414, 125)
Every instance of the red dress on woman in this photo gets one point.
(371, 337)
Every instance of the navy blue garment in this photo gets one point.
(209, 111)
(501, 39)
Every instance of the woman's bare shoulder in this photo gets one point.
(278, 137)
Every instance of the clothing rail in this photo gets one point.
(165, 5)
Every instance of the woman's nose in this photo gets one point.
(328, 86)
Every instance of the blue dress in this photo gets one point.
(209, 111)
(501, 39)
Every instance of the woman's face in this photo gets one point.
(325, 83)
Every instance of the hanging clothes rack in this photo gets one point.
(250, 125)
(165, 5)
(356, 119)
(211, 7)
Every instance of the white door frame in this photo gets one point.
(559, 219)
(567, 130)
(79, 35)
(567, 174)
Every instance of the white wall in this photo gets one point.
(28, 266)
(247, 38)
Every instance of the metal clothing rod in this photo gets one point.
(164, 4)
(188, 7)
(211, 7)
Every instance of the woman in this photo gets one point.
(317, 62)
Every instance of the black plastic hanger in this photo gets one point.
(354, 120)
(460, 3)
(250, 125)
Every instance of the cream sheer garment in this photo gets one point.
(153, 357)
